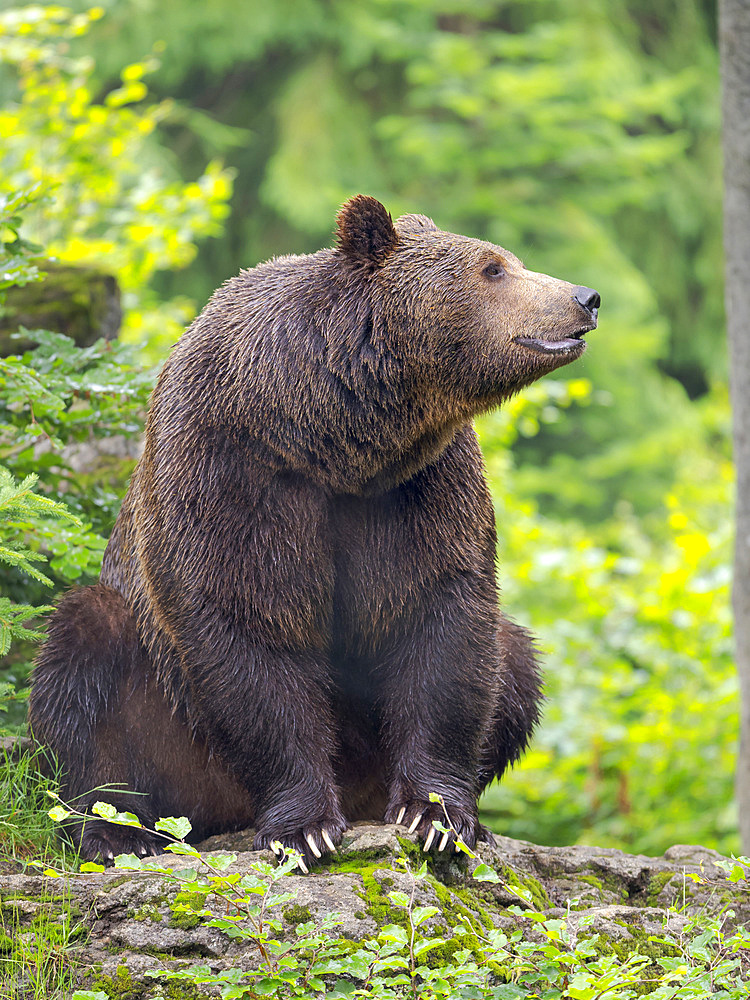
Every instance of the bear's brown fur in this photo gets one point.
(297, 622)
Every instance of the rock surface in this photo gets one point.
(81, 302)
(128, 921)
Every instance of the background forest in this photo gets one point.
(170, 143)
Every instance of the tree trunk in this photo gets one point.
(734, 47)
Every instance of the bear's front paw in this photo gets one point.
(311, 841)
(104, 841)
(417, 815)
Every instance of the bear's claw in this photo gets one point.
(313, 846)
(107, 840)
(420, 816)
(311, 841)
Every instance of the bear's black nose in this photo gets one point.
(587, 297)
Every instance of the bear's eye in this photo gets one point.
(494, 270)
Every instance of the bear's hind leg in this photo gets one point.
(174, 773)
(97, 706)
(92, 648)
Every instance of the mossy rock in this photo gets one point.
(124, 986)
(81, 302)
(132, 923)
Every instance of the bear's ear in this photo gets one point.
(364, 230)
(415, 224)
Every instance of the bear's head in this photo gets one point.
(481, 324)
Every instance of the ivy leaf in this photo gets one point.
(127, 862)
(177, 826)
(393, 932)
(422, 913)
(108, 812)
(104, 809)
(483, 873)
(421, 947)
(399, 898)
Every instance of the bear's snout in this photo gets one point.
(589, 298)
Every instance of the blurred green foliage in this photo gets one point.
(110, 198)
(585, 137)
(640, 728)
(82, 177)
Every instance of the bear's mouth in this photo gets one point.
(573, 344)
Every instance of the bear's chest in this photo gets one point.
(391, 554)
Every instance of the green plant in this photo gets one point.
(25, 516)
(638, 739)
(20, 257)
(115, 197)
(421, 955)
(55, 396)
(60, 396)
(27, 832)
(20, 508)
(102, 192)
(35, 934)
(34, 950)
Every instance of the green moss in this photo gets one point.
(412, 851)
(297, 914)
(145, 912)
(656, 885)
(604, 880)
(164, 956)
(585, 900)
(122, 986)
(461, 905)
(476, 903)
(373, 894)
(113, 882)
(377, 903)
(184, 907)
(183, 920)
(516, 880)
(590, 880)
(343, 865)
(352, 861)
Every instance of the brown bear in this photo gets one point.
(297, 621)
